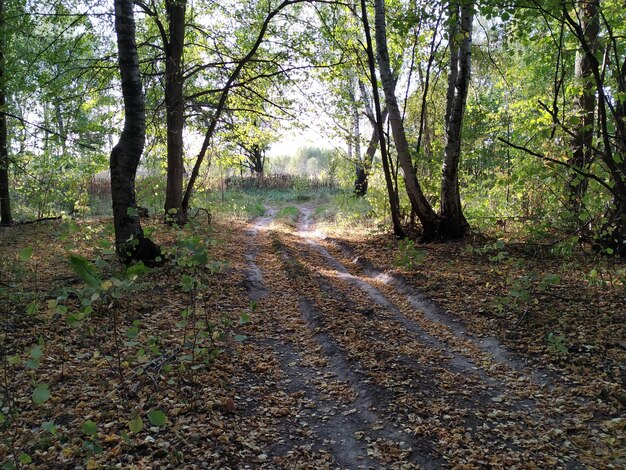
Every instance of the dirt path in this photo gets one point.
(372, 375)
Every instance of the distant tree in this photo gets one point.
(264, 18)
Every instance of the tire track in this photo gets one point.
(524, 411)
(346, 430)
(412, 391)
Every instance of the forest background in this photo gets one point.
(479, 148)
(539, 119)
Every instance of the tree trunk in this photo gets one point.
(5, 199)
(620, 112)
(131, 245)
(394, 203)
(175, 109)
(258, 158)
(370, 152)
(453, 222)
(585, 105)
(360, 182)
(427, 216)
(368, 158)
(612, 233)
(361, 177)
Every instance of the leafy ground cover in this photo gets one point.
(263, 344)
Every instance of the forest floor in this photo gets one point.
(310, 351)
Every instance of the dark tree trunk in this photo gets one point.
(363, 171)
(361, 181)
(427, 216)
(362, 177)
(585, 104)
(175, 109)
(5, 199)
(258, 160)
(453, 223)
(612, 149)
(620, 112)
(394, 202)
(130, 242)
(360, 172)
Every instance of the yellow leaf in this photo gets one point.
(92, 465)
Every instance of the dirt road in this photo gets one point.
(353, 369)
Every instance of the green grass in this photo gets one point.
(251, 203)
(239, 204)
(343, 208)
(288, 214)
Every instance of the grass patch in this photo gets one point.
(288, 215)
(344, 211)
(238, 204)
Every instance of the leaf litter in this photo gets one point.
(338, 369)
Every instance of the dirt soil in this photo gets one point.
(347, 362)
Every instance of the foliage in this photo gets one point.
(556, 343)
(408, 256)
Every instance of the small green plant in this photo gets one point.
(601, 276)
(495, 251)
(556, 343)
(523, 292)
(408, 255)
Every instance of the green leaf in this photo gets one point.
(74, 320)
(240, 338)
(32, 308)
(25, 459)
(136, 270)
(85, 270)
(135, 424)
(244, 318)
(187, 283)
(89, 428)
(36, 352)
(132, 212)
(50, 427)
(200, 259)
(14, 360)
(133, 332)
(41, 394)
(157, 417)
(26, 253)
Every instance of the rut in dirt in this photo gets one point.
(336, 426)
(415, 398)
